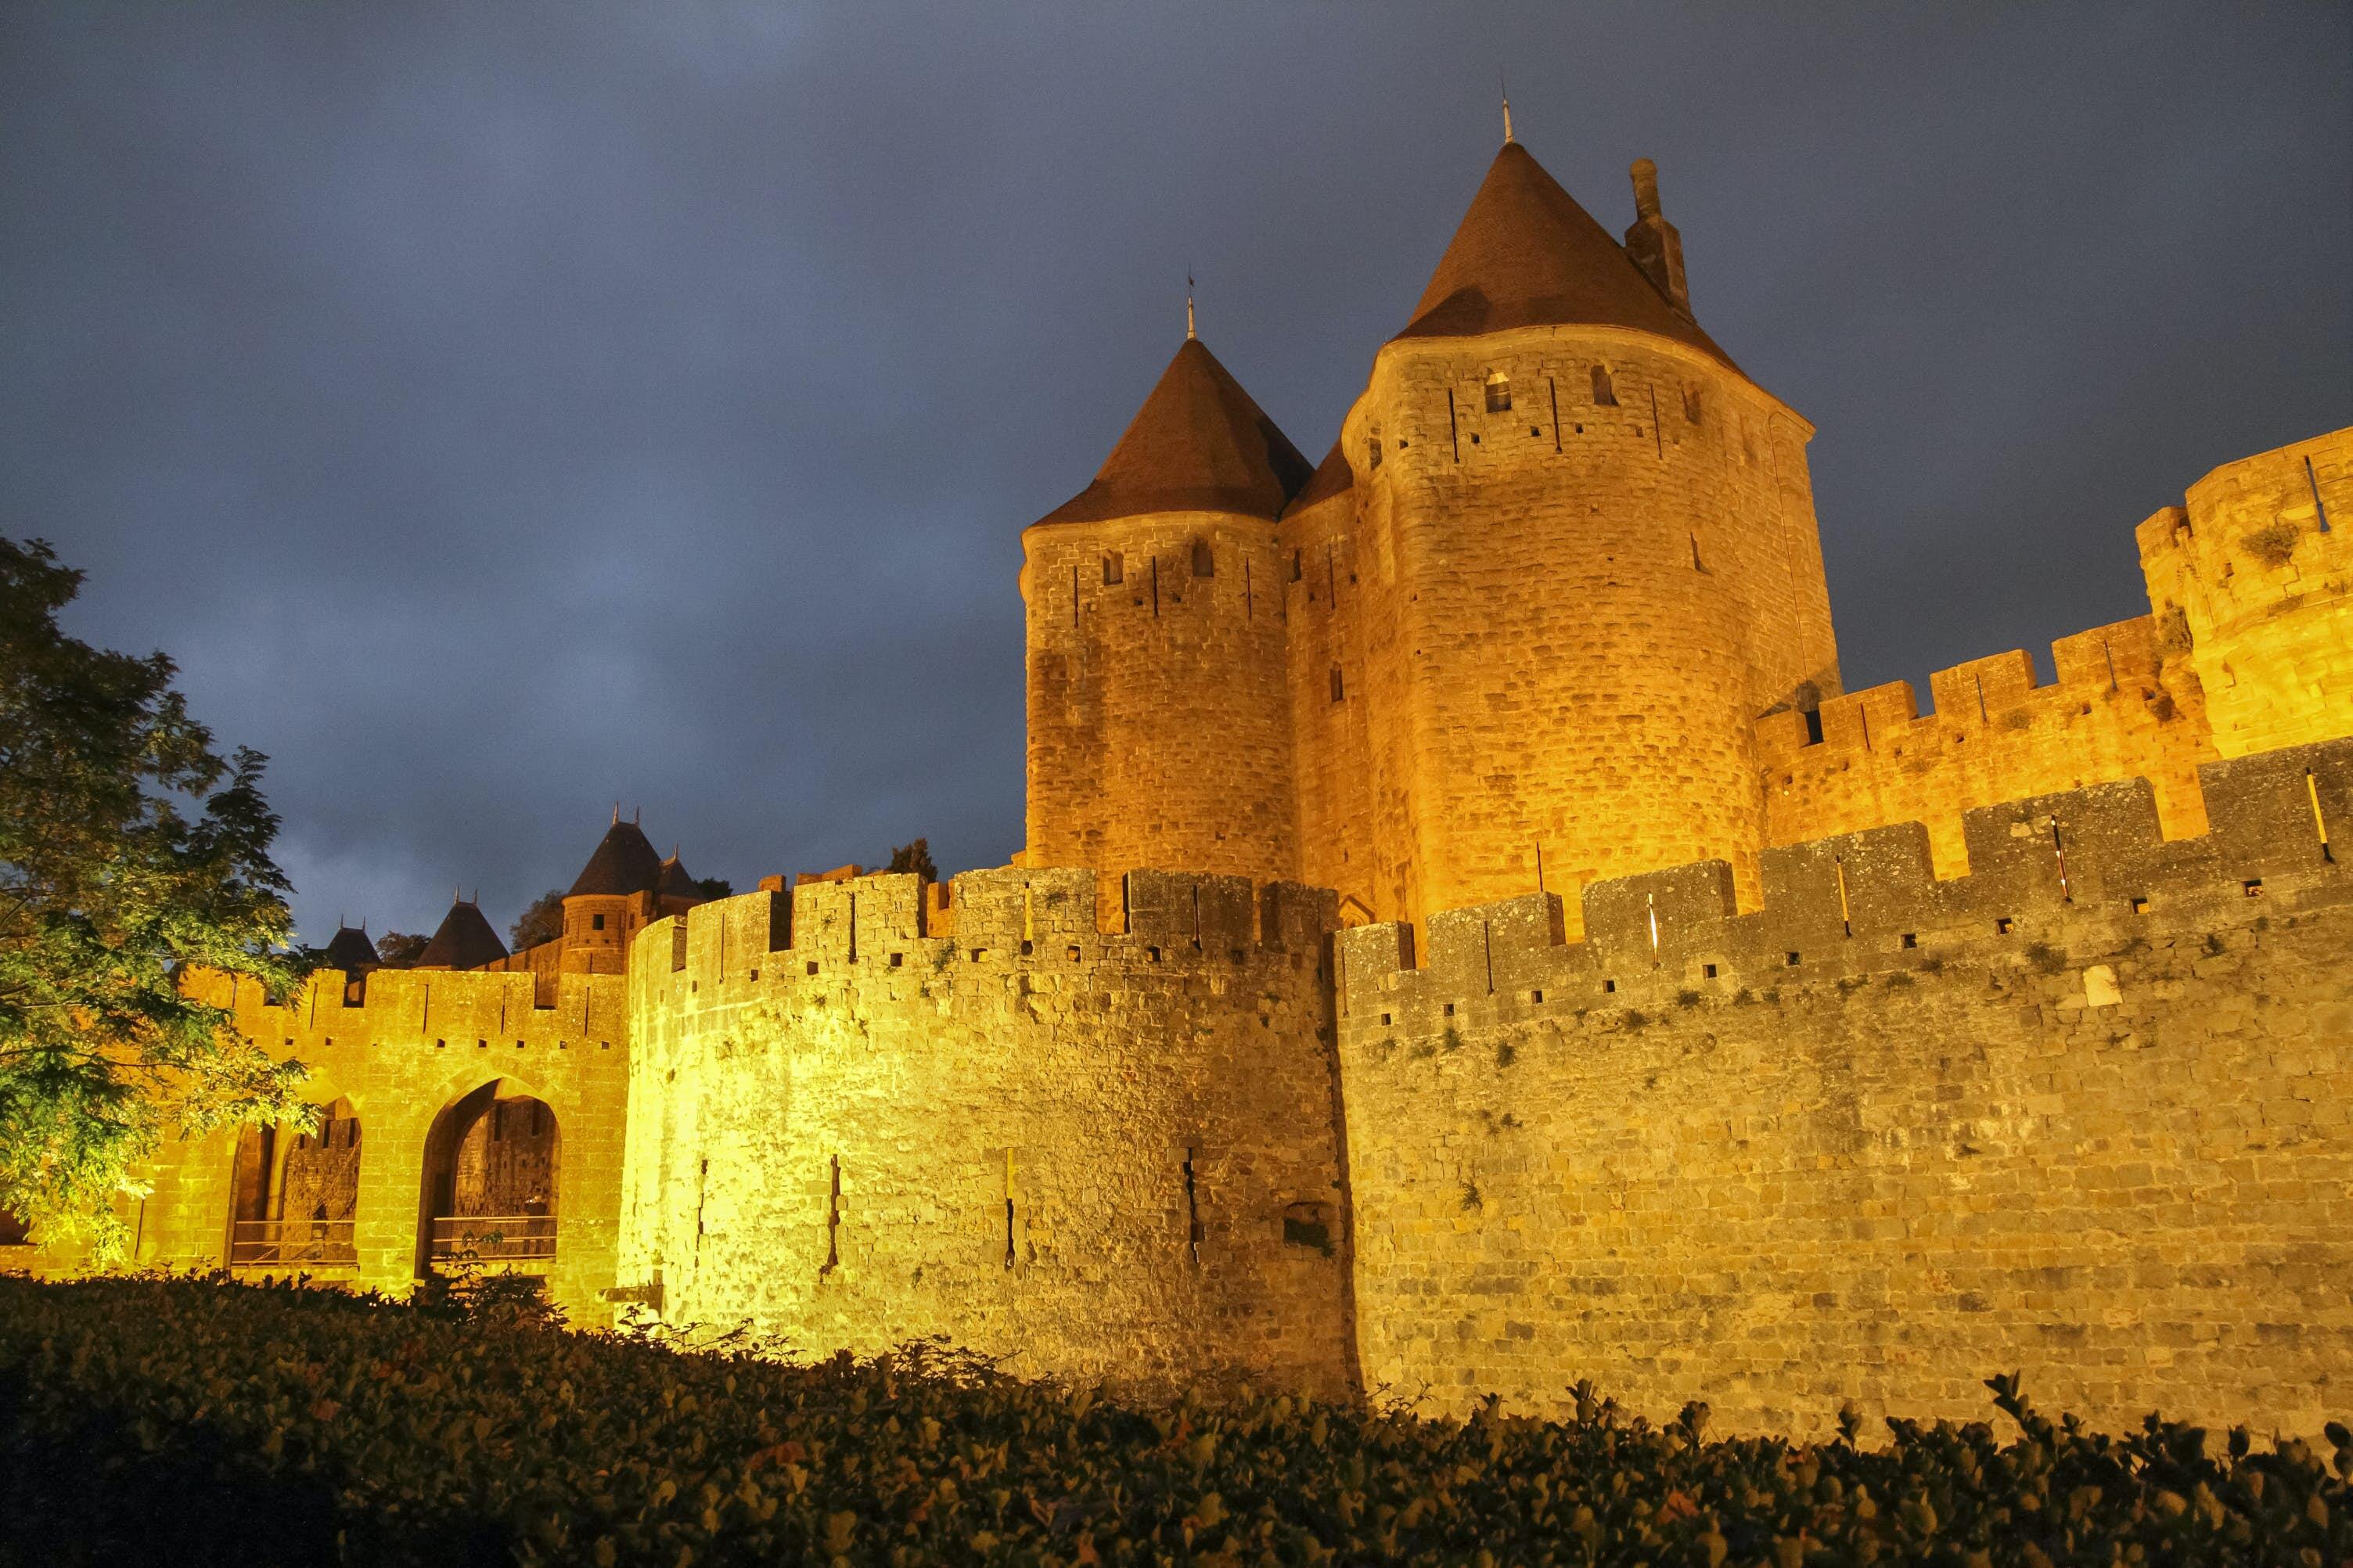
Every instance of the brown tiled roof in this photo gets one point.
(1333, 476)
(672, 882)
(1198, 444)
(351, 950)
(464, 941)
(1526, 255)
(624, 863)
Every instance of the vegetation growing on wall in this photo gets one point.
(142, 1417)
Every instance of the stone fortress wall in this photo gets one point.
(2086, 1112)
(1891, 1049)
(405, 1050)
(1105, 1155)
(2245, 650)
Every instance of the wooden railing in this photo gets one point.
(278, 1243)
(494, 1239)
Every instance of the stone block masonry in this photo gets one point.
(2086, 1113)
(1100, 1156)
(414, 1053)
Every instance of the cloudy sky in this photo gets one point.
(504, 410)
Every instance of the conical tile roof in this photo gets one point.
(1526, 255)
(464, 941)
(1198, 444)
(1333, 476)
(672, 882)
(625, 862)
(351, 950)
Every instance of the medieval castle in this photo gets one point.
(1468, 940)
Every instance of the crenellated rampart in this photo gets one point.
(400, 1048)
(2086, 1110)
(1097, 1155)
(1995, 733)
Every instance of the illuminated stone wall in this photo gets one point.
(2249, 648)
(1560, 618)
(2253, 589)
(1100, 1156)
(2086, 1113)
(1159, 730)
(2116, 711)
(408, 1045)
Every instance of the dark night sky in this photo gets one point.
(498, 410)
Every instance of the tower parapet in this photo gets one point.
(2252, 584)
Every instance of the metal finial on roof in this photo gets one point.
(1507, 107)
(1189, 333)
(617, 814)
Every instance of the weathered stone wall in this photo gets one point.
(1995, 735)
(1160, 723)
(2252, 583)
(1569, 612)
(2085, 1112)
(1098, 1156)
(2250, 648)
(405, 1047)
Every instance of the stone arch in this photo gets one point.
(295, 1195)
(487, 1188)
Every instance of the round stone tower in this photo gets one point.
(1159, 727)
(1579, 559)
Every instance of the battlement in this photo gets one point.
(2253, 581)
(1872, 900)
(1007, 917)
(1996, 732)
(2118, 662)
(449, 1007)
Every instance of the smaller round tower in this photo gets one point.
(625, 887)
(1159, 721)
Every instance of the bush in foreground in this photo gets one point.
(195, 1421)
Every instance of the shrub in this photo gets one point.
(179, 1421)
(2273, 545)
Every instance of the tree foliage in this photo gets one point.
(129, 850)
(915, 857)
(400, 949)
(714, 887)
(543, 921)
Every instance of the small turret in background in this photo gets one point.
(464, 940)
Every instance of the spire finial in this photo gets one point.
(1190, 335)
(617, 814)
(1500, 83)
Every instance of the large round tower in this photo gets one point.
(1579, 561)
(1159, 730)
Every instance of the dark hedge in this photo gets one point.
(188, 1421)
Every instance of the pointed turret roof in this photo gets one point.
(673, 882)
(352, 950)
(464, 941)
(1333, 476)
(1198, 444)
(625, 862)
(1525, 255)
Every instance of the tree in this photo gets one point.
(399, 948)
(714, 887)
(543, 921)
(129, 852)
(915, 857)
